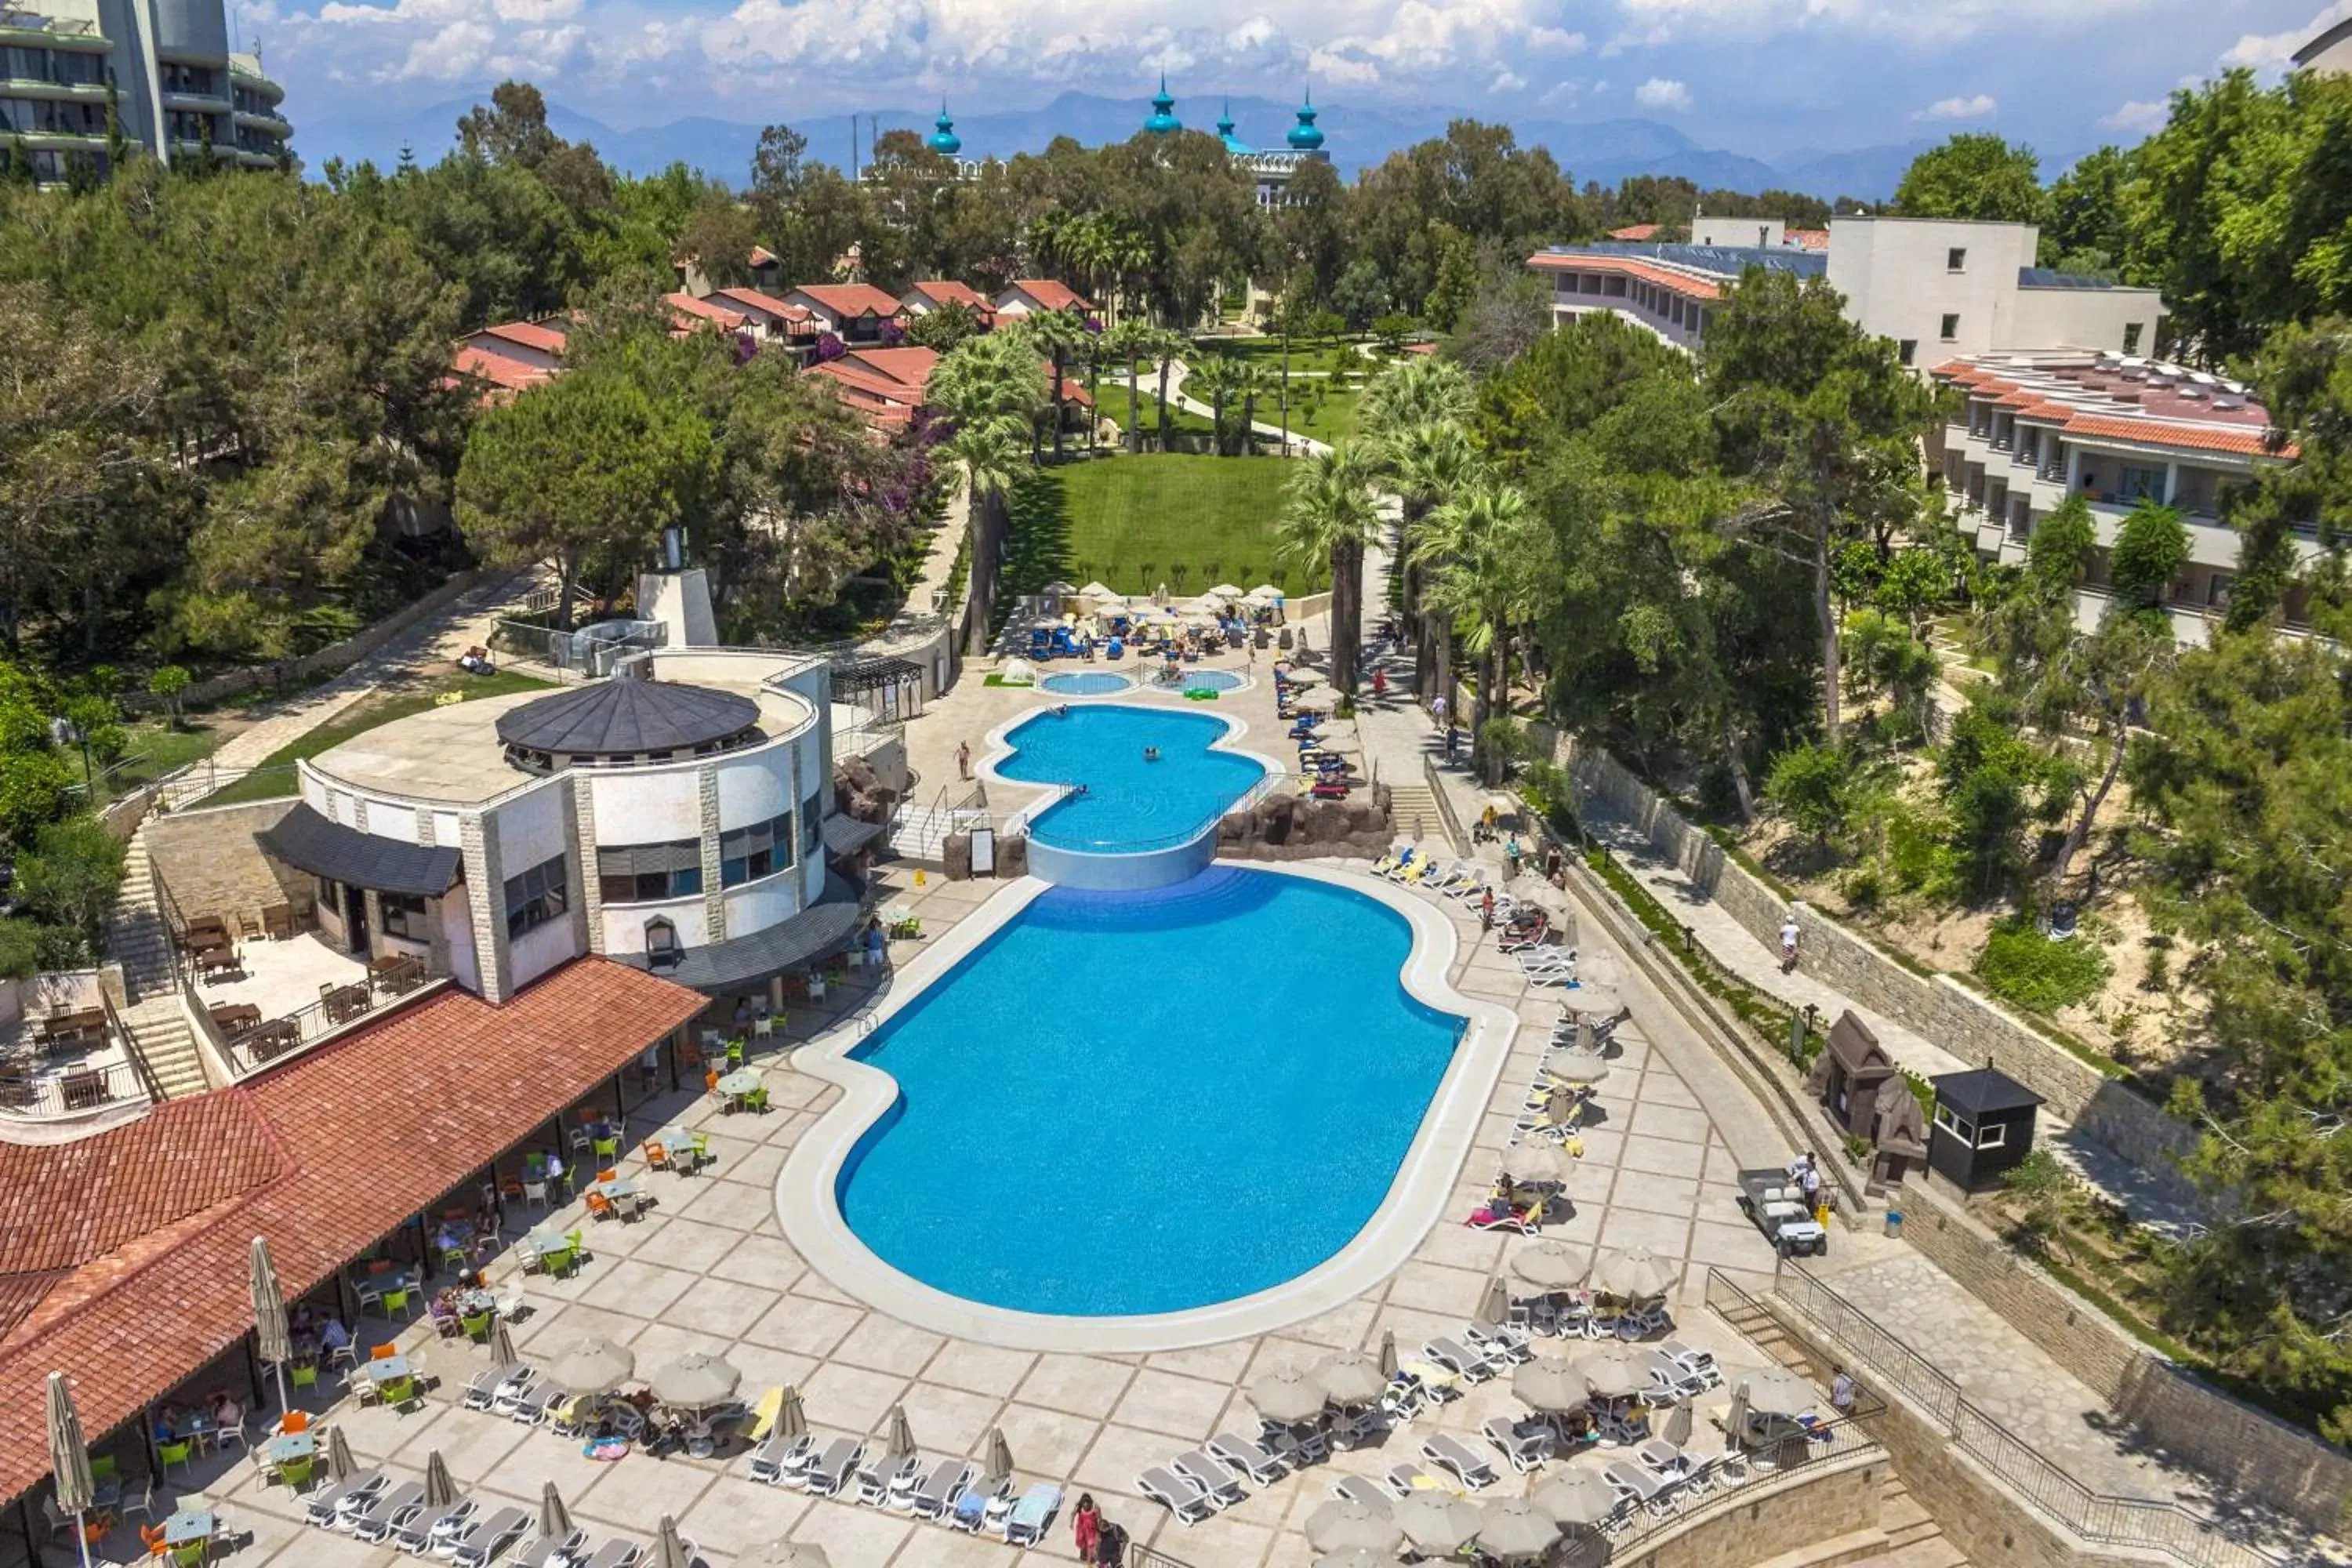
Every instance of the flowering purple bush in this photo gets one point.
(828, 347)
(746, 345)
(1094, 325)
(893, 334)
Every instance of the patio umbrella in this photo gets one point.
(1576, 1499)
(792, 1421)
(1592, 999)
(1000, 1453)
(1551, 1265)
(1514, 1527)
(1388, 1355)
(1678, 1425)
(277, 1341)
(669, 1552)
(554, 1519)
(901, 1441)
(1613, 1374)
(1633, 1274)
(1351, 1378)
(1342, 746)
(1287, 1394)
(1494, 1306)
(696, 1380)
(440, 1491)
(1549, 1386)
(1777, 1391)
(1437, 1523)
(793, 1555)
(1264, 591)
(1735, 1419)
(1227, 590)
(1100, 592)
(1602, 964)
(338, 1455)
(1582, 1066)
(592, 1366)
(1057, 588)
(1342, 1526)
(1358, 1558)
(69, 1459)
(502, 1350)
(1541, 1162)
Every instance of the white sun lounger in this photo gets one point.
(552, 1551)
(1256, 1456)
(1526, 1445)
(336, 1505)
(1360, 1490)
(1207, 1472)
(940, 1489)
(387, 1512)
(832, 1469)
(1033, 1515)
(1405, 1477)
(778, 1462)
(900, 1497)
(1498, 1340)
(1184, 1499)
(482, 1391)
(424, 1531)
(616, 1553)
(874, 1485)
(1465, 1461)
(488, 1536)
(970, 1509)
(1459, 1359)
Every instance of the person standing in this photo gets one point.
(1486, 910)
(1789, 942)
(1086, 1526)
(1841, 1391)
(964, 759)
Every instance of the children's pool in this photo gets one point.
(1129, 1103)
(1074, 684)
(1130, 803)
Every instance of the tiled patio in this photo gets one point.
(708, 1268)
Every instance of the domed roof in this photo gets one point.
(1163, 119)
(944, 140)
(1226, 133)
(625, 718)
(1304, 136)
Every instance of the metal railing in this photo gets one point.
(1141, 1556)
(258, 1045)
(42, 1096)
(2148, 1523)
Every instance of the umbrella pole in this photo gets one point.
(284, 1406)
(81, 1538)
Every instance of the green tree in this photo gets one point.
(1977, 175)
(1327, 517)
(1994, 782)
(170, 683)
(1061, 336)
(943, 327)
(71, 876)
(2150, 551)
(1488, 552)
(1811, 786)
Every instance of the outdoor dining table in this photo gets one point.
(293, 1448)
(380, 1371)
(188, 1526)
(740, 1082)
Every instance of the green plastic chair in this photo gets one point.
(556, 1261)
(701, 1143)
(396, 1392)
(734, 1053)
(477, 1326)
(756, 1099)
(182, 1452)
(606, 1148)
(304, 1374)
(297, 1473)
(103, 1465)
(192, 1555)
(395, 1300)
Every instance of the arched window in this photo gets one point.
(661, 942)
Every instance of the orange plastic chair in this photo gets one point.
(691, 1054)
(375, 1353)
(656, 1157)
(600, 1206)
(608, 1175)
(300, 1420)
(710, 1080)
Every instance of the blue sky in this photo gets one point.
(1764, 77)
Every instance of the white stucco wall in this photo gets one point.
(2085, 319)
(537, 951)
(755, 906)
(755, 788)
(530, 830)
(645, 805)
(457, 924)
(625, 924)
(1896, 278)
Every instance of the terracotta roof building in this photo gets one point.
(922, 298)
(1023, 295)
(854, 312)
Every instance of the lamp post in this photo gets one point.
(64, 731)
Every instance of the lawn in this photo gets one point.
(1319, 354)
(275, 776)
(1136, 522)
(1327, 416)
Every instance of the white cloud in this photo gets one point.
(1981, 106)
(1659, 92)
(2141, 115)
(1507, 81)
(2271, 53)
(1650, 23)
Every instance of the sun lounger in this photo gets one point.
(969, 1510)
(1698, 1363)
(1663, 1459)
(425, 1530)
(552, 1551)
(1460, 1359)
(1635, 1485)
(616, 1553)
(534, 1401)
(831, 1471)
(488, 1536)
(389, 1511)
(1184, 1499)
(780, 1462)
(876, 1484)
(1526, 1445)
(1498, 1340)
(482, 1390)
(329, 1506)
(1405, 1477)
(946, 1479)
(901, 1495)
(1673, 1384)
(1033, 1515)
(1208, 1473)
(1360, 1490)
(1465, 1461)
(1255, 1456)
(1354, 1428)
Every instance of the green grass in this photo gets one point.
(1137, 521)
(1332, 417)
(1147, 412)
(1304, 355)
(153, 749)
(275, 776)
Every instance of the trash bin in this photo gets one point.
(1895, 1222)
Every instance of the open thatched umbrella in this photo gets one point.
(1514, 1527)
(1551, 1265)
(1550, 1387)
(1351, 1378)
(275, 1345)
(77, 1487)
(1585, 1068)
(1631, 1274)
(1357, 1557)
(1342, 1526)
(1287, 1394)
(1542, 1163)
(1593, 999)
(1576, 1499)
(793, 1555)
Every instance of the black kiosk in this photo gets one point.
(1983, 1126)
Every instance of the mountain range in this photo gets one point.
(1607, 151)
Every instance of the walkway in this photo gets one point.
(1306, 443)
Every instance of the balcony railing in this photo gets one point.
(71, 1092)
(256, 1045)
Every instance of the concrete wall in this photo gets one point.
(1939, 1008)
(1840, 1499)
(2185, 1420)
(1896, 276)
(2085, 318)
(210, 861)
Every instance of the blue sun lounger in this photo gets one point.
(1033, 1515)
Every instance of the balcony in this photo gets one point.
(65, 1057)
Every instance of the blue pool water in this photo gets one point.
(1075, 685)
(1212, 680)
(1126, 1103)
(1130, 803)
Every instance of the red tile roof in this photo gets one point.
(1052, 294)
(1665, 277)
(685, 306)
(910, 367)
(948, 291)
(762, 257)
(529, 335)
(2175, 421)
(497, 369)
(850, 301)
(324, 1156)
(1634, 231)
(751, 299)
(2158, 432)
(874, 384)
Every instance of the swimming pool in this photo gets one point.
(1212, 680)
(1130, 804)
(1075, 684)
(1213, 1095)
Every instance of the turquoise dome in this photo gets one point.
(1304, 136)
(1163, 119)
(944, 140)
(1226, 133)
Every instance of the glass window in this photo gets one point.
(811, 822)
(748, 854)
(1993, 1136)
(28, 65)
(85, 71)
(535, 898)
(2131, 337)
(401, 914)
(1951, 326)
(642, 873)
(1956, 258)
(1908, 350)
(2139, 484)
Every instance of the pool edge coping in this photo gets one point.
(1415, 1201)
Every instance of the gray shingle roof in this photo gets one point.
(309, 842)
(621, 718)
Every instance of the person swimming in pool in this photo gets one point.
(1061, 710)
(1150, 753)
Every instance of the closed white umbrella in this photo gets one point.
(440, 1491)
(1000, 1453)
(1388, 1355)
(554, 1519)
(669, 1552)
(1287, 1394)
(502, 1350)
(69, 1459)
(1678, 1424)
(900, 1440)
(1343, 1526)
(1550, 1387)
(1495, 1303)
(791, 1420)
(276, 1340)
(1633, 1274)
(1551, 1265)
(340, 1466)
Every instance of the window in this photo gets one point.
(641, 873)
(2140, 484)
(1951, 326)
(1956, 258)
(401, 914)
(2217, 592)
(1907, 351)
(535, 898)
(1955, 1126)
(1993, 1136)
(2131, 337)
(748, 854)
(330, 896)
(812, 825)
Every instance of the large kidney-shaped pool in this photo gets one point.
(1132, 802)
(1134, 1103)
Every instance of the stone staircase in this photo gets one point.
(919, 832)
(1413, 813)
(139, 940)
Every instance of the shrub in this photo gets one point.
(2022, 966)
(1807, 784)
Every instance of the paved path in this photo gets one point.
(1176, 395)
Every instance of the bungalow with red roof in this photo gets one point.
(887, 384)
(772, 319)
(854, 312)
(922, 298)
(692, 314)
(1025, 295)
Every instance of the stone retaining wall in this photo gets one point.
(2256, 1454)
(1839, 1501)
(1939, 1008)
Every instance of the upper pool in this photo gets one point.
(1122, 1104)
(1130, 803)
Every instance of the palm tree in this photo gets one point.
(992, 388)
(1060, 336)
(993, 454)
(1217, 381)
(1165, 346)
(1421, 389)
(1489, 549)
(1327, 517)
(1428, 463)
(1256, 381)
(1129, 341)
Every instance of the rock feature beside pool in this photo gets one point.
(1291, 827)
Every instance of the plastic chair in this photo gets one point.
(303, 1375)
(757, 1098)
(104, 1467)
(606, 1148)
(710, 1080)
(300, 1420)
(535, 1192)
(476, 1325)
(701, 1143)
(296, 1473)
(183, 1452)
(375, 1353)
(656, 1157)
(577, 1140)
(600, 1206)
(763, 1028)
(398, 1301)
(734, 1053)
(534, 1166)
